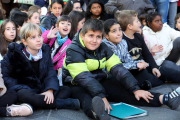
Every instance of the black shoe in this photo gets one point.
(68, 103)
(173, 100)
(98, 109)
(146, 85)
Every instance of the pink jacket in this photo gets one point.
(59, 57)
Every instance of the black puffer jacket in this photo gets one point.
(48, 21)
(18, 72)
(85, 67)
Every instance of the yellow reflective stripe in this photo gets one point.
(80, 39)
(93, 64)
(76, 68)
(113, 60)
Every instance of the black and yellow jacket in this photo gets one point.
(85, 67)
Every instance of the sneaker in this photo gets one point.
(173, 100)
(19, 110)
(98, 109)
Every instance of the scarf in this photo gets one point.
(59, 40)
(31, 57)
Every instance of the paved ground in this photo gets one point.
(155, 113)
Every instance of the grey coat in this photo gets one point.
(139, 6)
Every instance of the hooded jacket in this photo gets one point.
(85, 67)
(18, 72)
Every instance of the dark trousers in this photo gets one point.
(175, 52)
(115, 93)
(37, 100)
(9, 98)
(169, 72)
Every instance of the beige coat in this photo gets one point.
(165, 37)
(2, 86)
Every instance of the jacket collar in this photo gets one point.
(78, 40)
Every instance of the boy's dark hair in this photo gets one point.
(24, 7)
(149, 18)
(88, 13)
(34, 8)
(69, 6)
(92, 24)
(176, 18)
(14, 10)
(19, 18)
(75, 16)
(57, 1)
(126, 17)
(108, 24)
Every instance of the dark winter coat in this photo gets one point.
(48, 21)
(18, 72)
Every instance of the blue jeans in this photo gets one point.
(162, 8)
(172, 13)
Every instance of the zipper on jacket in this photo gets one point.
(62, 51)
(97, 59)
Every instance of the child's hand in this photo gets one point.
(157, 48)
(143, 94)
(142, 65)
(52, 33)
(107, 105)
(156, 72)
(49, 97)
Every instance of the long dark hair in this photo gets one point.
(69, 6)
(88, 13)
(3, 42)
(75, 16)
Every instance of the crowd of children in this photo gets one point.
(96, 59)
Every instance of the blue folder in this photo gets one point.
(124, 111)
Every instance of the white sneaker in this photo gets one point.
(19, 110)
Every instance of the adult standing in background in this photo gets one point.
(162, 8)
(140, 6)
(172, 12)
